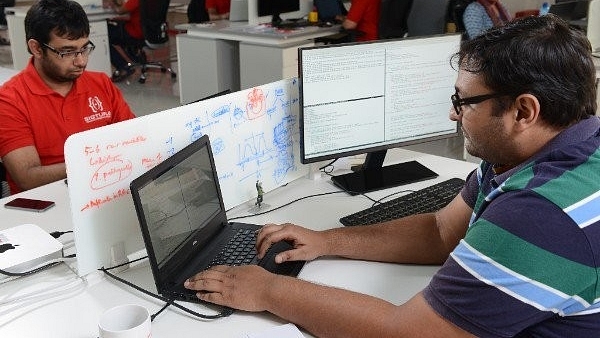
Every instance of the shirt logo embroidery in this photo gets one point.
(95, 104)
(98, 112)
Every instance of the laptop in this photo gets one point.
(184, 226)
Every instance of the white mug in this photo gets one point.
(125, 321)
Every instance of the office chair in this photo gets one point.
(154, 25)
(427, 17)
(196, 11)
(393, 18)
(4, 191)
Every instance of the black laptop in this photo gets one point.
(184, 226)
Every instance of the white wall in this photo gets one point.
(593, 28)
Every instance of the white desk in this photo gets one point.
(99, 60)
(77, 315)
(227, 55)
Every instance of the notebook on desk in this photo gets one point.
(184, 225)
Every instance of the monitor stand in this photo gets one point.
(372, 175)
(276, 20)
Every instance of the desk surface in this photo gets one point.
(262, 34)
(54, 317)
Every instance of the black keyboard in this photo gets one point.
(240, 250)
(291, 24)
(429, 199)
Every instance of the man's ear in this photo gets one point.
(35, 48)
(527, 110)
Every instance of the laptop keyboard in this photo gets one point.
(429, 199)
(240, 250)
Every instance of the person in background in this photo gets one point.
(54, 96)
(520, 244)
(218, 9)
(124, 32)
(363, 16)
(483, 14)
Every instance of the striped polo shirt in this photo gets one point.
(529, 265)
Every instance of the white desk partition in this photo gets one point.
(254, 136)
(75, 313)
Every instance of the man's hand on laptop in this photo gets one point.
(308, 244)
(241, 287)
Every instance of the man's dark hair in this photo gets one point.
(542, 56)
(64, 18)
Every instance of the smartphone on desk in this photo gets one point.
(29, 204)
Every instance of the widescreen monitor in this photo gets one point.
(275, 8)
(368, 97)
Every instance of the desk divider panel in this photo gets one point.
(254, 136)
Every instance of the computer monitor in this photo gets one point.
(238, 10)
(372, 96)
(275, 8)
(570, 10)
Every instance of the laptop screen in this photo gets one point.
(178, 202)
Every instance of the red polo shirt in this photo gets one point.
(33, 114)
(366, 15)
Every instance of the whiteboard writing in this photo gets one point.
(254, 136)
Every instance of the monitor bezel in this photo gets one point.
(365, 150)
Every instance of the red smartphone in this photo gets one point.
(29, 204)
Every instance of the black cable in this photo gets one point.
(20, 274)
(285, 205)
(330, 164)
(224, 313)
(57, 234)
(379, 201)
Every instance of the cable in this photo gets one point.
(39, 268)
(224, 313)
(330, 164)
(16, 305)
(285, 205)
(57, 234)
(379, 201)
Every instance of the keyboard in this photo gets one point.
(291, 24)
(240, 250)
(429, 199)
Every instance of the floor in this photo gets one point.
(161, 92)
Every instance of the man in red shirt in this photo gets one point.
(218, 9)
(54, 96)
(364, 17)
(124, 32)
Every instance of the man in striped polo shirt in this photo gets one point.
(520, 244)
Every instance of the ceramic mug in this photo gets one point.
(125, 321)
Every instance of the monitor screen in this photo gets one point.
(275, 8)
(372, 96)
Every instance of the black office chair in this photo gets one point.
(154, 25)
(393, 18)
(4, 191)
(196, 11)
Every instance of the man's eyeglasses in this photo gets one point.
(457, 102)
(84, 52)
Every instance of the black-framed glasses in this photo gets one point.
(458, 102)
(72, 54)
